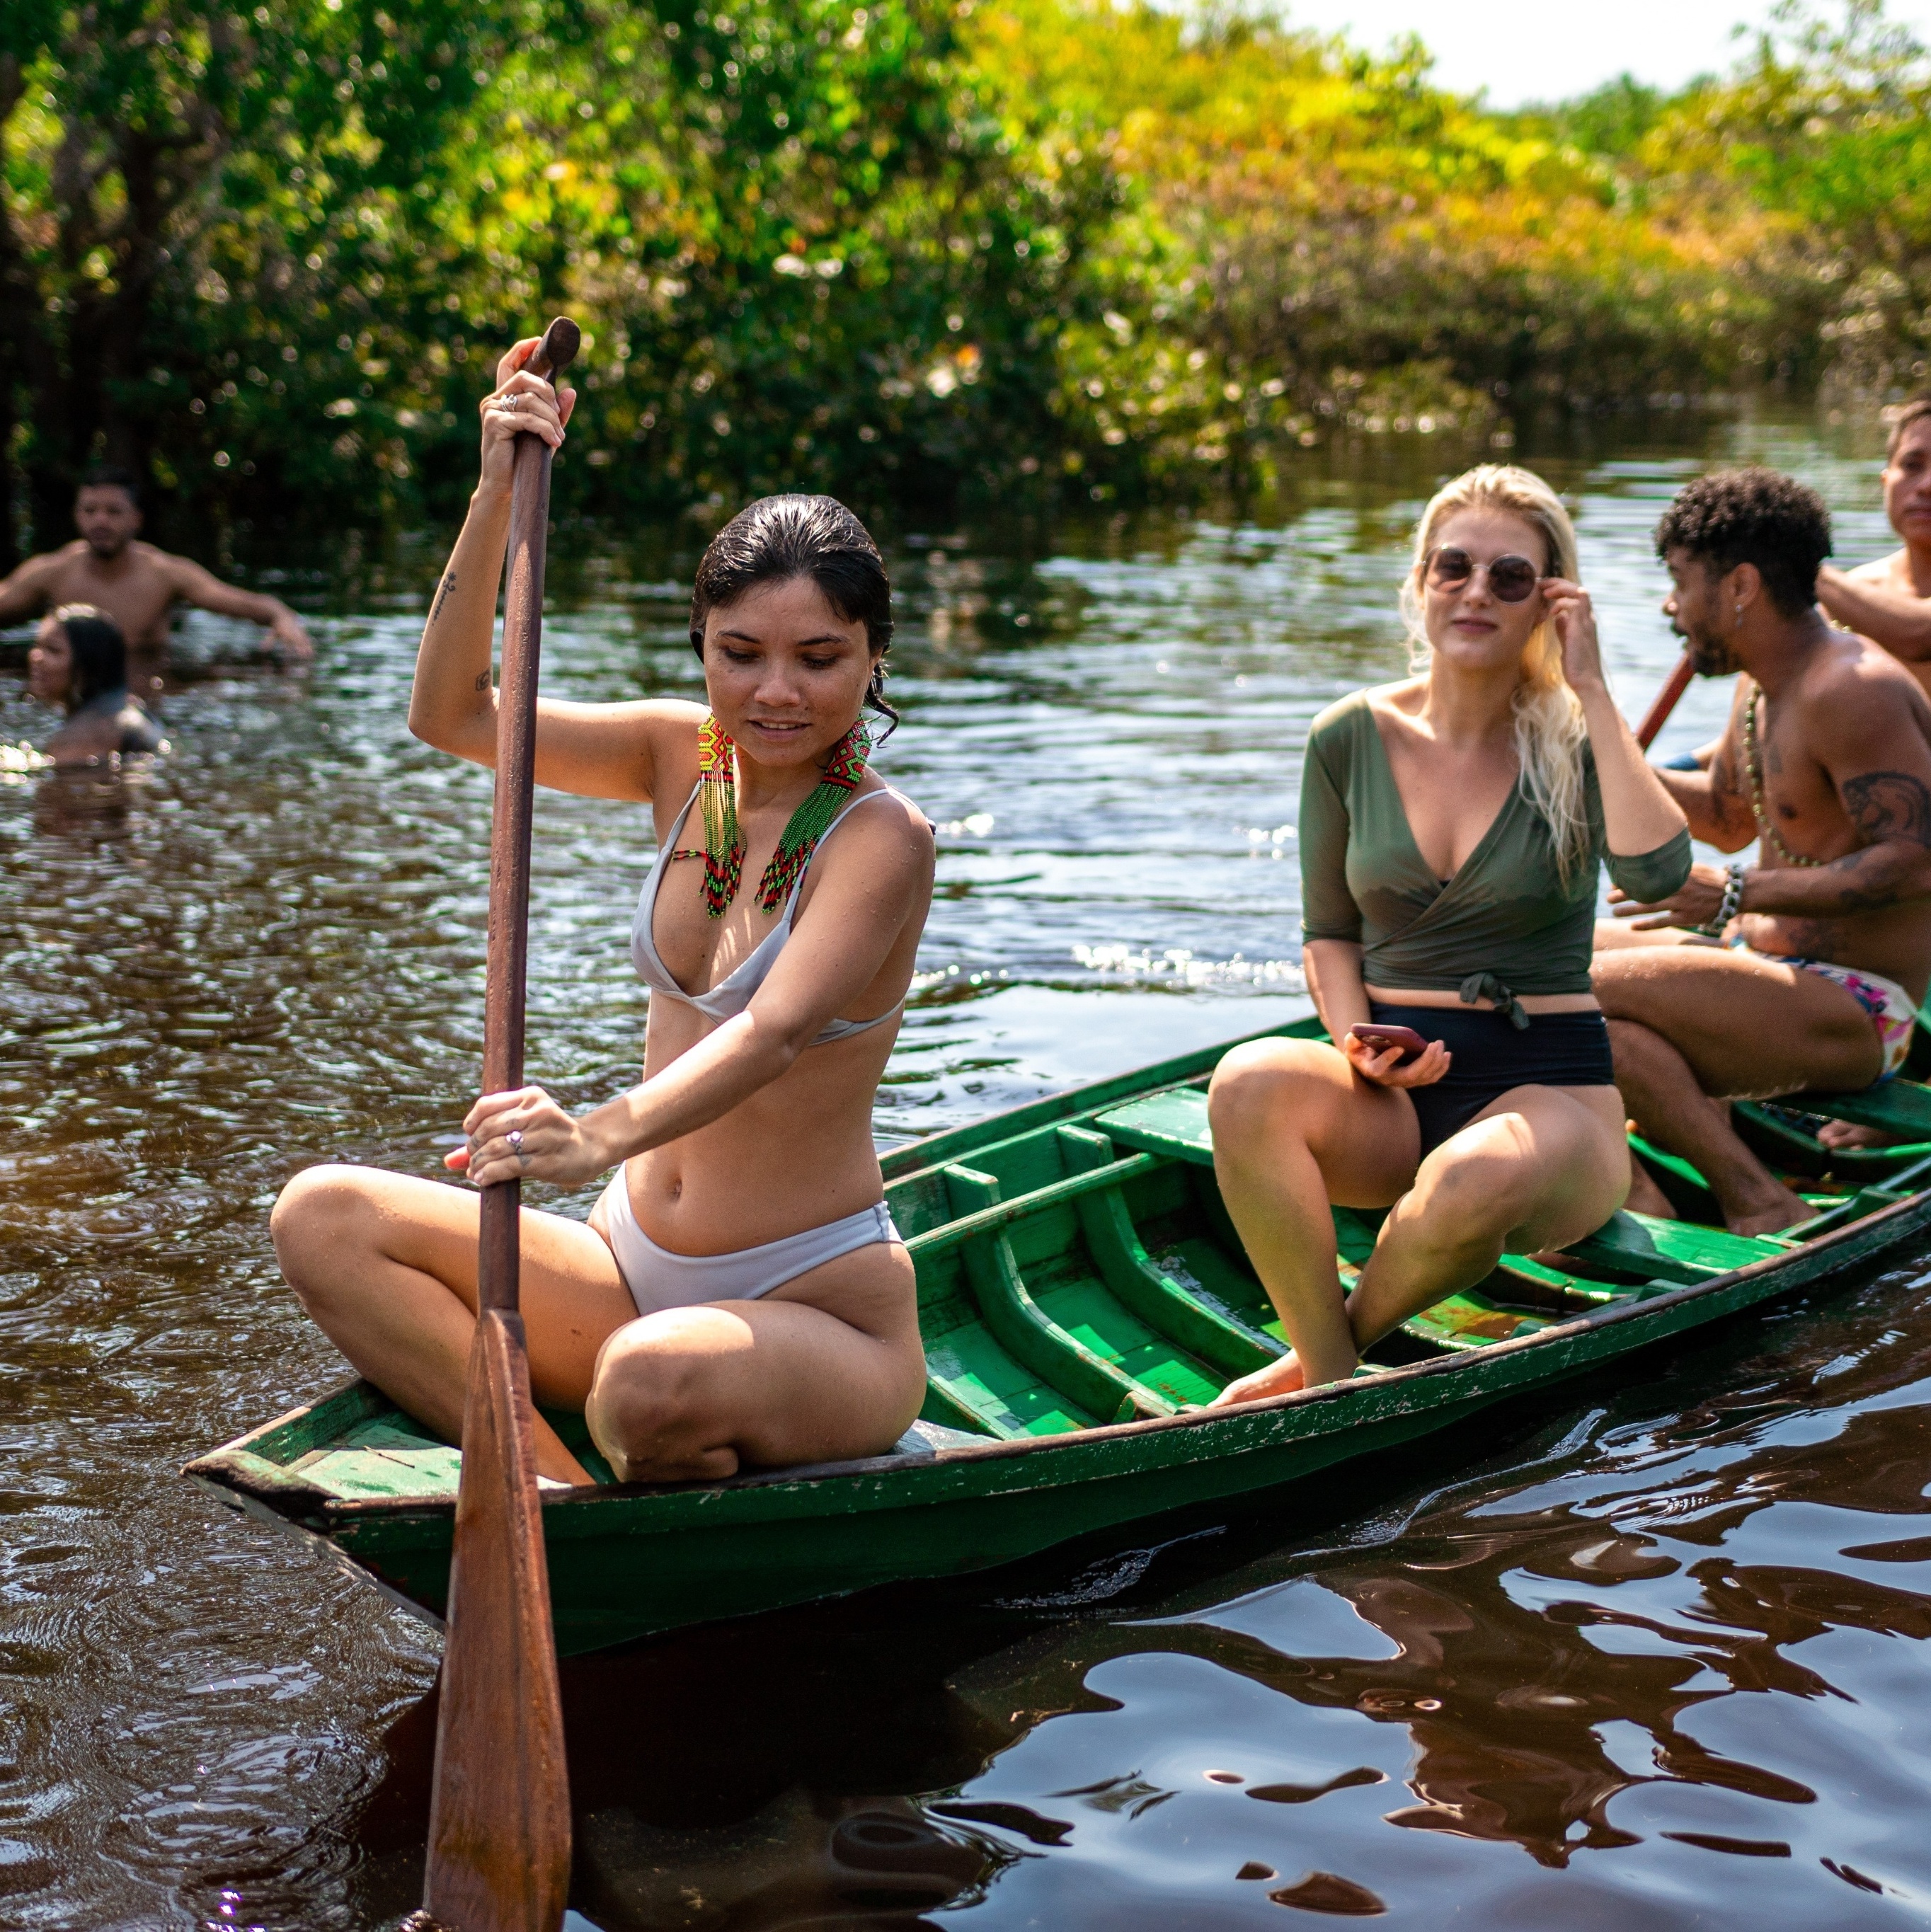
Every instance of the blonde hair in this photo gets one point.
(1550, 733)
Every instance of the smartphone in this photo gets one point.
(1381, 1038)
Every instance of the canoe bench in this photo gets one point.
(1784, 1132)
(1049, 1308)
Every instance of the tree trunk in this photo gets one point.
(21, 316)
(83, 387)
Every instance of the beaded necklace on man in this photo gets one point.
(1753, 776)
(723, 841)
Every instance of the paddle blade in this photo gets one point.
(499, 1816)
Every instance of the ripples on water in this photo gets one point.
(1658, 1666)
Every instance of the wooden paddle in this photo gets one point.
(1658, 713)
(500, 1812)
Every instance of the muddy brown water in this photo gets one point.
(1648, 1650)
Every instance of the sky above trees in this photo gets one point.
(1523, 50)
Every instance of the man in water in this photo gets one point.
(1827, 760)
(1889, 601)
(137, 585)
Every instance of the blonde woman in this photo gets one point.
(1450, 829)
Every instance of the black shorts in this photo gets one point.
(1491, 1056)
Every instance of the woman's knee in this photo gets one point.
(324, 1211)
(1260, 1081)
(1469, 1194)
(1507, 1177)
(654, 1397)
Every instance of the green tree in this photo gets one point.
(270, 258)
(1829, 128)
(917, 250)
(814, 245)
(170, 166)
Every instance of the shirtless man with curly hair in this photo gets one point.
(1803, 970)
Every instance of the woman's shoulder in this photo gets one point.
(140, 730)
(881, 835)
(673, 718)
(671, 728)
(1340, 720)
(1340, 727)
(898, 818)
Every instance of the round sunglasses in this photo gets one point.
(1511, 579)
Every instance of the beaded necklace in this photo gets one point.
(1753, 774)
(723, 843)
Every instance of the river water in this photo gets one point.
(1649, 1651)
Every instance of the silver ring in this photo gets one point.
(516, 1140)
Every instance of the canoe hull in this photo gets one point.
(626, 1562)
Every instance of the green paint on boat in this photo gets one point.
(1083, 1295)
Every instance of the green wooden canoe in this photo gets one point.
(1082, 1291)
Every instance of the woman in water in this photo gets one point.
(740, 1293)
(79, 661)
(1450, 829)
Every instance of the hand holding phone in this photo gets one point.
(1381, 1038)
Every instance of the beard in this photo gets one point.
(107, 547)
(1709, 656)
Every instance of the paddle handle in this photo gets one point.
(1658, 714)
(497, 1276)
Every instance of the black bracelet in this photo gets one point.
(1713, 927)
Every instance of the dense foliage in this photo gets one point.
(907, 250)
(198, 203)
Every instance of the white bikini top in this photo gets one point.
(734, 992)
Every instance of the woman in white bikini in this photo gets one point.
(739, 1294)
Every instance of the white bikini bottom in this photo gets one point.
(657, 1278)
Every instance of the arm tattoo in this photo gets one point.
(1729, 811)
(1722, 774)
(443, 595)
(1814, 938)
(1889, 805)
(1856, 898)
(1889, 809)
(482, 680)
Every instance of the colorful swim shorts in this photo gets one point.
(1890, 1007)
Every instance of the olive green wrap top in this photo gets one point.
(1505, 918)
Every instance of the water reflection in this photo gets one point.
(88, 807)
(1654, 1668)
(1644, 1669)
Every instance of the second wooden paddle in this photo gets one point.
(1658, 714)
(500, 1813)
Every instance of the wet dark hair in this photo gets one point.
(1753, 516)
(100, 652)
(779, 538)
(107, 476)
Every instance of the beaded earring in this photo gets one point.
(723, 841)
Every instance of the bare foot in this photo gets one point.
(1839, 1135)
(1280, 1378)
(1645, 1196)
(1772, 1216)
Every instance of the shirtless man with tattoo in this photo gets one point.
(1889, 601)
(136, 585)
(1805, 969)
